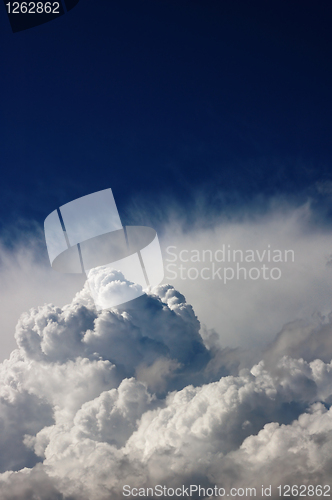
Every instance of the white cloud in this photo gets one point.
(142, 395)
(307, 339)
(224, 433)
(27, 280)
(112, 416)
(249, 312)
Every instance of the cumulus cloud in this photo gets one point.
(108, 286)
(238, 431)
(145, 394)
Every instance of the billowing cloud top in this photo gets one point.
(92, 401)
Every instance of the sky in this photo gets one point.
(210, 121)
(159, 99)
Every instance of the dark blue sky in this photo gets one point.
(165, 98)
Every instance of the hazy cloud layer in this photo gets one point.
(248, 312)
